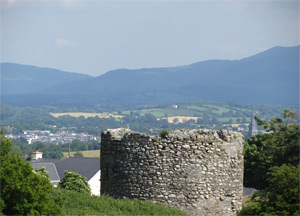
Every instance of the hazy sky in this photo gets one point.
(94, 37)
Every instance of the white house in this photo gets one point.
(87, 167)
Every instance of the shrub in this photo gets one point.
(75, 182)
(164, 134)
(78, 154)
(281, 197)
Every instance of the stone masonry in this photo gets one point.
(197, 171)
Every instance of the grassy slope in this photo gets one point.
(222, 112)
(73, 203)
(189, 110)
(90, 153)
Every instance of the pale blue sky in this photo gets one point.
(94, 37)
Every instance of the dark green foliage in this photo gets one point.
(75, 182)
(42, 172)
(25, 118)
(55, 154)
(23, 190)
(74, 203)
(78, 145)
(272, 165)
(256, 162)
(39, 119)
(78, 154)
(277, 147)
(164, 133)
(281, 197)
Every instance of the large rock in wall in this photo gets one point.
(198, 171)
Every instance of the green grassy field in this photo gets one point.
(90, 153)
(74, 203)
(215, 109)
(160, 112)
(188, 110)
(199, 108)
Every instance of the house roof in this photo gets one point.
(50, 168)
(44, 160)
(86, 167)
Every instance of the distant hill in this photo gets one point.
(270, 77)
(22, 79)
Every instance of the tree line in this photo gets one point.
(54, 151)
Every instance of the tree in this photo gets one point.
(78, 145)
(281, 197)
(280, 145)
(272, 165)
(150, 118)
(78, 154)
(75, 182)
(23, 190)
(42, 172)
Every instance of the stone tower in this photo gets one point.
(197, 171)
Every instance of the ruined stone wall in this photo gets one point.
(198, 171)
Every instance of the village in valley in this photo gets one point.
(46, 136)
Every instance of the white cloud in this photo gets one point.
(64, 43)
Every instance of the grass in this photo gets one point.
(89, 153)
(74, 203)
(215, 109)
(160, 112)
(198, 108)
(86, 115)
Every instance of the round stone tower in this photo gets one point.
(198, 171)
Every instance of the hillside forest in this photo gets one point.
(272, 165)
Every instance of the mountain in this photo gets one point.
(22, 79)
(270, 77)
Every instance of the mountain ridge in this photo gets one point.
(19, 78)
(270, 77)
